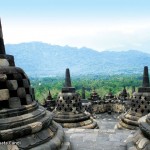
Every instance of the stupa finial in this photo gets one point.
(49, 97)
(2, 46)
(83, 93)
(68, 87)
(49, 93)
(124, 90)
(67, 78)
(145, 77)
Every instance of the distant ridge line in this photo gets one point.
(43, 59)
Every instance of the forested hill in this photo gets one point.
(41, 59)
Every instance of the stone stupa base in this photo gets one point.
(72, 120)
(33, 129)
(24, 124)
(39, 141)
(141, 139)
(129, 120)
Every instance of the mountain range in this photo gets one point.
(41, 59)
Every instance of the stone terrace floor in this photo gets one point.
(104, 138)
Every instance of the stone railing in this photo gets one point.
(107, 106)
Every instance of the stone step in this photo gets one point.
(97, 139)
(104, 138)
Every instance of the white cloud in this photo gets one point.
(96, 35)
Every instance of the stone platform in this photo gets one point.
(105, 138)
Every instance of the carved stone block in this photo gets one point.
(14, 102)
(4, 94)
(12, 84)
(21, 92)
(26, 83)
(28, 99)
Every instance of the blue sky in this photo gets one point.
(98, 24)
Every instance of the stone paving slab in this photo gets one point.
(104, 138)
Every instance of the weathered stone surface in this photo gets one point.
(14, 102)
(12, 147)
(141, 139)
(105, 138)
(21, 92)
(4, 62)
(17, 76)
(6, 134)
(12, 84)
(105, 107)
(3, 77)
(28, 99)
(143, 143)
(31, 91)
(26, 83)
(37, 126)
(4, 94)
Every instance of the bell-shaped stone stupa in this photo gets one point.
(141, 139)
(124, 95)
(94, 96)
(23, 123)
(69, 112)
(109, 96)
(139, 105)
(49, 103)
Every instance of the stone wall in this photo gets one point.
(97, 108)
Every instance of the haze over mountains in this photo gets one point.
(40, 59)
